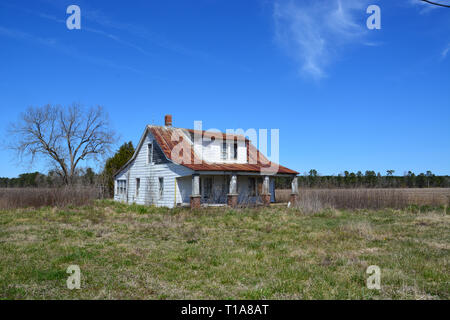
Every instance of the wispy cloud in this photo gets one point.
(84, 28)
(118, 40)
(422, 6)
(314, 33)
(67, 50)
(425, 8)
(20, 35)
(102, 20)
(446, 51)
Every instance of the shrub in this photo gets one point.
(315, 200)
(42, 197)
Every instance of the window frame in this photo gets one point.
(207, 183)
(150, 153)
(121, 186)
(252, 187)
(224, 150)
(161, 187)
(138, 186)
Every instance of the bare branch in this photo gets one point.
(64, 135)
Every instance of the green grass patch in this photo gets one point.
(140, 252)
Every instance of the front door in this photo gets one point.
(206, 184)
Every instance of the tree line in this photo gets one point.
(368, 179)
(81, 177)
(105, 178)
(67, 136)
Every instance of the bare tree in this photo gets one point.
(63, 135)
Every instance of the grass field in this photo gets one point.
(135, 252)
(373, 198)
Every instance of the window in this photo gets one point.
(207, 188)
(259, 186)
(161, 187)
(138, 185)
(121, 186)
(150, 153)
(224, 150)
(124, 186)
(251, 187)
(226, 186)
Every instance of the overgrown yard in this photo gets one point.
(134, 252)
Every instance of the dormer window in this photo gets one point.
(224, 150)
(150, 153)
(227, 153)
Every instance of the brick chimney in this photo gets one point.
(168, 120)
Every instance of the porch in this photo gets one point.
(232, 189)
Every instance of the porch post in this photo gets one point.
(266, 191)
(294, 191)
(232, 196)
(195, 197)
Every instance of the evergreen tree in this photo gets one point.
(114, 164)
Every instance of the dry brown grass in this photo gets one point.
(42, 197)
(317, 199)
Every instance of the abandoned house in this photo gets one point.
(181, 167)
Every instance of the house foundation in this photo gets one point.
(293, 199)
(265, 196)
(195, 197)
(195, 202)
(232, 196)
(294, 193)
(266, 199)
(232, 200)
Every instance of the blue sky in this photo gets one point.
(343, 97)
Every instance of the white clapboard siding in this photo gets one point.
(149, 175)
(184, 189)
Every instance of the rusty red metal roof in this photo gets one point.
(177, 140)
